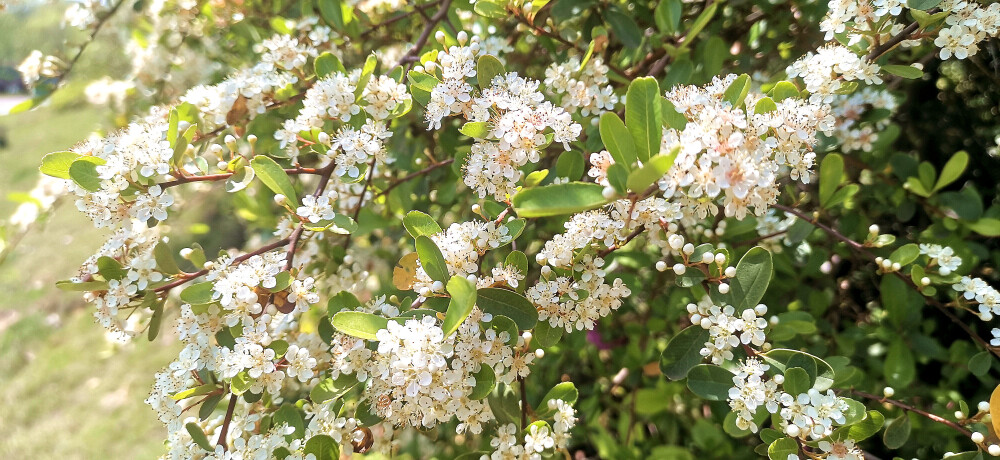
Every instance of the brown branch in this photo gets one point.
(555, 36)
(414, 175)
(896, 39)
(412, 56)
(223, 176)
(906, 407)
(225, 422)
(860, 249)
(417, 8)
(190, 276)
(93, 36)
(293, 239)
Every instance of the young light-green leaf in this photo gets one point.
(737, 91)
(57, 164)
(432, 259)
(952, 170)
(565, 391)
(487, 68)
(644, 116)
(327, 64)
(358, 324)
(475, 129)
(275, 178)
(83, 171)
(905, 71)
(463, 298)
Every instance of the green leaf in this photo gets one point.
(618, 140)
(322, 447)
(57, 164)
(831, 171)
(710, 382)
(275, 178)
(753, 274)
(565, 391)
(329, 388)
(535, 178)
(290, 415)
(683, 352)
(986, 227)
(922, 4)
(671, 117)
(366, 74)
(927, 175)
(905, 71)
(546, 335)
(668, 16)
(504, 405)
(797, 381)
(488, 67)
(651, 171)
(624, 27)
(67, 285)
(781, 359)
(700, 23)
(861, 430)
(421, 85)
(765, 105)
(618, 178)
(952, 170)
(83, 171)
(198, 294)
(737, 91)
(198, 436)
(498, 301)
(897, 432)
(359, 324)
(110, 268)
(899, 367)
(463, 298)
(782, 448)
(332, 13)
(164, 257)
(432, 259)
(980, 363)
(558, 199)
(418, 223)
(208, 406)
(343, 301)
(365, 415)
(475, 129)
(784, 90)
(486, 380)
(905, 254)
(240, 180)
(494, 9)
(644, 116)
(155, 320)
(570, 164)
(327, 64)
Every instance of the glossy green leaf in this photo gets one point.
(420, 224)
(831, 172)
(486, 380)
(618, 140)
(905, 71)
(358, 324)
(463, 298)
(57, 164)
(710, 382)
(644, 116)
(475, 129)
(322, 447)
(651, 171)
(498, 301)
(198, 436)
(737, 91)
(84, 173)
(784, 90)
(683, 352)
(330, 389)
(275, 178)
(753, 274)
(327, 64)
(431, 259)
(558, 199)
(952, 170)
(198, 294)
(565, 391)
(487, 68)
(897, 432)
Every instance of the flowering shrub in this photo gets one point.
(535, 230)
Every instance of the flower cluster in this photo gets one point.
(578, 301)
(584, 89)
(825, 71)
(852, 131)
(36, 66)
(539, 438)
(248, 92)
(462, 244)
(976, 289)
(727, 330)
(418, 377)
(737, 154)
(942, 256)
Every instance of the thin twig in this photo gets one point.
(414, 175)
(225, 422)
(906, 407)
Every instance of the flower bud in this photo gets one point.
(437, 286)
(994, 450)
(661, 266)
(888, 392)
(323, 138)
(688, 249)
(707, 258)
(608, 192)
(984, 406)
(539, 353)
(730, 272)
(960, 415)
(978, 437)
(462, 37)
(873, 230)
(280, 199)
(439, 36)
(925, 281)
(724, 288)
(679, 269)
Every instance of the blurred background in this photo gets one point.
(65, 392)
